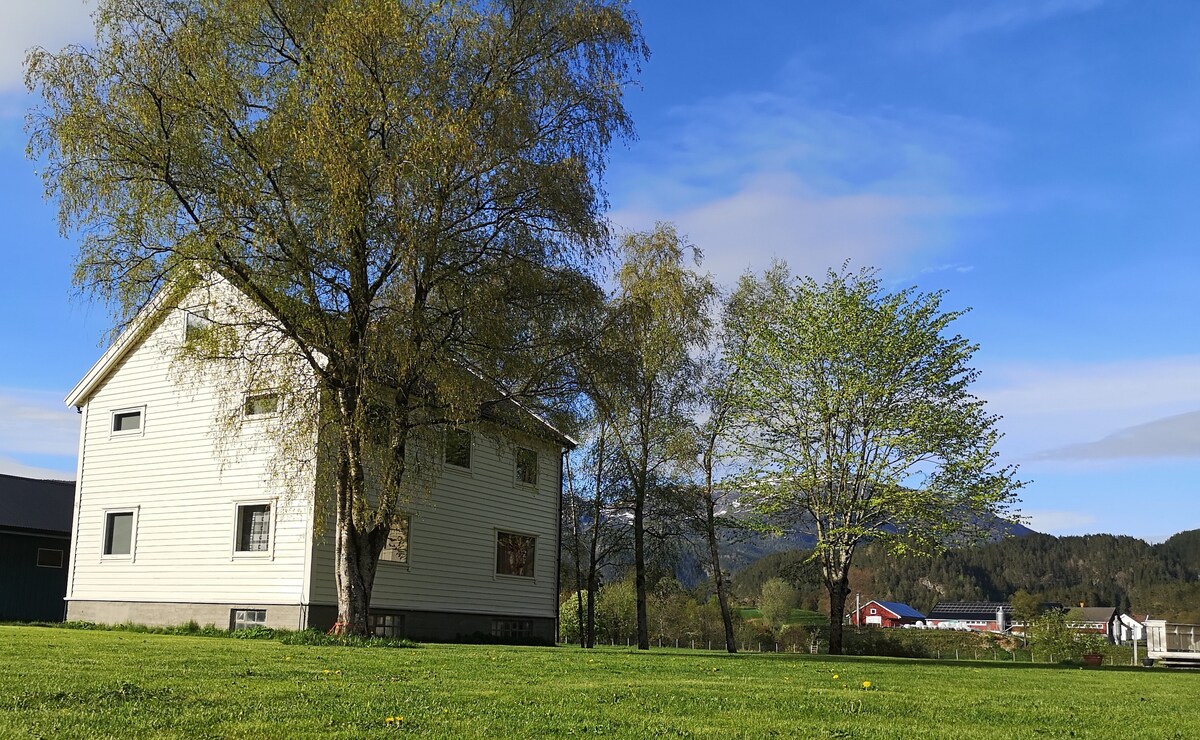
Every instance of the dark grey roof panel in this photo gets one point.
(28, 503)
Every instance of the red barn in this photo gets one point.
(885, 614)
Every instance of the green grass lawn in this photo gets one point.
(59, 683)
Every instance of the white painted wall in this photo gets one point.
(183, 489)
(452, 543)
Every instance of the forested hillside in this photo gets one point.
(1163, 580)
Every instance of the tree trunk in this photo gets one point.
(718, 577)
(639, 557)
(839, 589)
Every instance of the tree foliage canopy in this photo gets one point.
(405, 188)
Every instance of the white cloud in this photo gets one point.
(37, 423)
(995, 16)
(751, 176)
(51, 24)
(13, 467)
(780, 217)
(1060, 522)
(1063, 405)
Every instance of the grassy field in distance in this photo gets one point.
(72, 683)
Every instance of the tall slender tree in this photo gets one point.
(647, 377)
(858, 422)
(407, 190)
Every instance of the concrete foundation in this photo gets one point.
(432, 626)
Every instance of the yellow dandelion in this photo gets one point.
(835, 676)
(866, 684)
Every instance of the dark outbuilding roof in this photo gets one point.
(901, 610)
(36, 505)
(970, 611)
(1092, 614)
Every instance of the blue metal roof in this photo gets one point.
(901, 610)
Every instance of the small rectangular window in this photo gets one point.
(118, 533)
(261, 404)
(396, 549)
(253, 527)
(527, 466)
(458, 448)
(515, 554)
(49, 558)
(127, 421)
(512, 629)
(244, 619)
(387, 625)
(196, 324)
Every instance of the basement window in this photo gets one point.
(512, 629)
(246, 619)
(386, 625)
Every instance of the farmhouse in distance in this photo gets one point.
(179, 518)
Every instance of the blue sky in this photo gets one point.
(1037, 159)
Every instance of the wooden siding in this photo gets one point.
(183, 489)
(452, 541)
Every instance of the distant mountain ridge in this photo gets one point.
(1098, 570)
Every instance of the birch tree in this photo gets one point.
(647, 378)
(408, 189)
(858, 422)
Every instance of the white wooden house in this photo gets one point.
(179, 518)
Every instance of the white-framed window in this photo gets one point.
(873, 610)
(458, 448)
(386, 625)
(245, 619)
(127, 422)
(527, 466)
(515, 554)
(48, 557)
(196, 323)
(120, 534)
(253, 522)
(260, 404)
(396, 549)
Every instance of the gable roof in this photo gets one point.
(1091, 614)
(36, 505)
(899, 609)
(157, 308)
(974, 611)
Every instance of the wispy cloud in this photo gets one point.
(1005, 15)
(754, 176)
(1072, 406)
(36, 423)
(51, 24)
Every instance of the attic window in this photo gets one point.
(527, 466)
(458, 448)
(261, 404)
(127, 421)
(196, 324)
